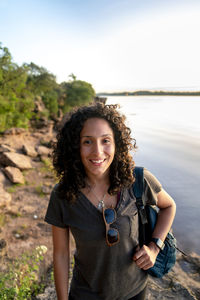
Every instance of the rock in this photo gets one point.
(2, 244)
(14, 131)
(3, 248)
(46, 189)
(14, 174)
(50, 128)
(6, 148)
(13, 211)
(2, 179)
(47, 141)
(39, 105)
(28, 209)
(5, 198)
(43, 151)
(49, 294)
(15, 160)
(100, 99)
(17, 235)
(36, 134)
(40, 123)
(182, 283)
(29, 150)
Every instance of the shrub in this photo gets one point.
(22, 280)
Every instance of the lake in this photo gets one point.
(167, 132)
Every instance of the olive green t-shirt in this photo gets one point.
(102, 272)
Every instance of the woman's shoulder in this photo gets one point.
(59, 196)
(152, 180)
(56, 193)
(55, 190)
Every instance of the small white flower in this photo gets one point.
(41, 249)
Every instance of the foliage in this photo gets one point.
(77, 92)
(50, 100)
(39, 190)
(20, 87)
(12, 188)
(22, 279)
(2, 220)
(16, 103)
(39, 80)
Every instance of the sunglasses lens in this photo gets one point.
(112, 235)
(109, 214)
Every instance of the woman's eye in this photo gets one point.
(106, 141)
(87, 142)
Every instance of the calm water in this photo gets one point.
(167, 131)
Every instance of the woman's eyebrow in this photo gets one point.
(90, 136)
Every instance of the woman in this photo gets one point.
(95, 169)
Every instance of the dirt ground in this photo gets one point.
(22, 224)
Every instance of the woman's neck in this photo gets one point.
(98, 181)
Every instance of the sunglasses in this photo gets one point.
(112, 234)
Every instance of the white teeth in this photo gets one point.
(97, 161)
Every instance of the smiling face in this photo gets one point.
(97, 147)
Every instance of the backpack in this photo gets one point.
(147, 220)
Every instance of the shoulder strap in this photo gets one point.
(138, 188)
(139, 182)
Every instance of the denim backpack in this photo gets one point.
(147, 220)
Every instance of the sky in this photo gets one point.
(116, 45)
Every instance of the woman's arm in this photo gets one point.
(146, 256)
(61, 256)
(166, 215)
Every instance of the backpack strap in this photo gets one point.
(138, 189)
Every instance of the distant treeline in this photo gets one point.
(22, 86)
(152, 93)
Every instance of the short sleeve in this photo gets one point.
(55, 211)
(151, 188)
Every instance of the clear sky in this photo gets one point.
(115, 45)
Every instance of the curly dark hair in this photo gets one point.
(66, 154)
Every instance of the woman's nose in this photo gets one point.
(97, 149)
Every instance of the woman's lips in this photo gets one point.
(97, 162)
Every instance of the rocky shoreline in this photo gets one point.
(182, 283)
(26, 180)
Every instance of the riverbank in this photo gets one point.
(152, 93)
(182, 283)
(22, 210)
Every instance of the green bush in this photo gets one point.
(22, 280)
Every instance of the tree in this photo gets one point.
(12, 77)
(72, 76)
(15, 102)
(39, 80)
(43, 84)
(77, 93)
(50, 100)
